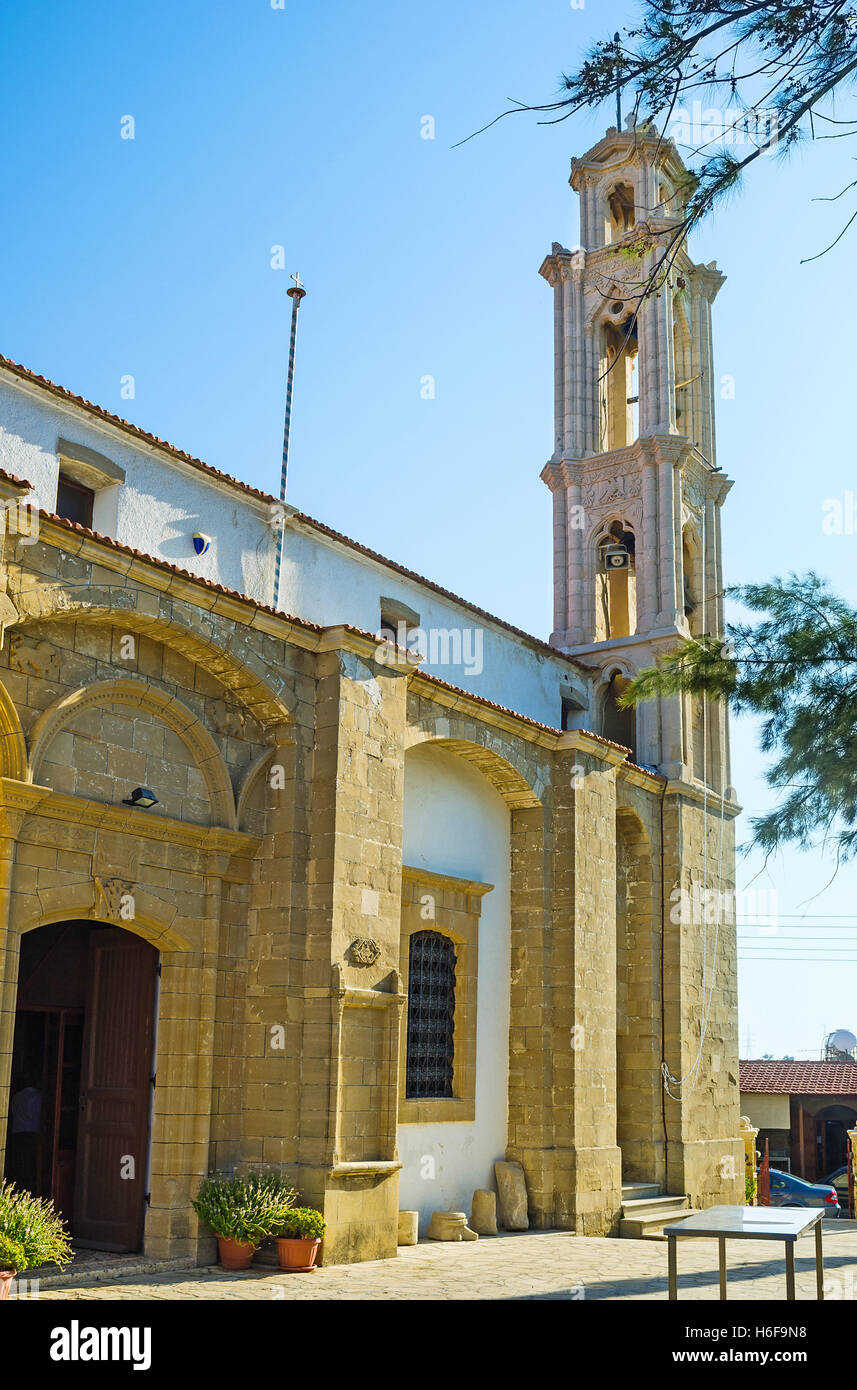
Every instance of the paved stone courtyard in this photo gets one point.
(529, 1265)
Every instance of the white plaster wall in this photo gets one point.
(161, 504)
(157, 508)
(455, 822)
(328, 585)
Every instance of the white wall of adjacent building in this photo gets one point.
(455, 822)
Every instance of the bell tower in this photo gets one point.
(636, 488)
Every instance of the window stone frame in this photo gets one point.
(456, 912)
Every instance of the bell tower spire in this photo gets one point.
(636, 488)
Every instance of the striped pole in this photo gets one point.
(296, 294)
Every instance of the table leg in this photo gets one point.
(671, 1268)
(790, 1271)
(721, 1241)
(819, 1261)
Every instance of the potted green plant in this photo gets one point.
(31, 1234)
(243, 1209)
(298, 1238)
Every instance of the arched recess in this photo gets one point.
(138, 694)
(614, 547)
(516, 789)
(617, 724)
(265, 782)
(13, 745)
(457, 824)
(638, 1046)
(206, 638)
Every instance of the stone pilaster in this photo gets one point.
(351, 993)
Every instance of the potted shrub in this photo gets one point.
(242, 1211)
(31, 1234)
(299, 1237)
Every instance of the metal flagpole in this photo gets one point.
(296, 294)
(618, 42)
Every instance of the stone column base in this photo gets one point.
(573, 1189)
(360, 1203)
(710, 1171)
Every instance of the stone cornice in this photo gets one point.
(470, 886)
(33, 799)
(377, 649)
(707, 798)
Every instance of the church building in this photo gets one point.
(368, 885)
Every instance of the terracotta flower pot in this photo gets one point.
(297, 1254)
(235, 1254)
(6, 1277)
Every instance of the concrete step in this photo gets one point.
(633, 1190)
(642, 1205)
(649, 1224)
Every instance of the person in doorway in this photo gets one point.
(25, 1124)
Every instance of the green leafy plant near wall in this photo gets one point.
(245, 1207)
(302, 1223)
(31, 1232)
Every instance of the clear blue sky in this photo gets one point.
(301, 127)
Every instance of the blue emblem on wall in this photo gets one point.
(201, 542)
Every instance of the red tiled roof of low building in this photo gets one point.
(799, 1078)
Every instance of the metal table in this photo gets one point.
(750, 1223)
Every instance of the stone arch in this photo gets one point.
(208, 638)
(638, 1043)
(13, 745)
(518, 787)
(137, 694)
(153, 917)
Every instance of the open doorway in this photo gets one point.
(79, 1101)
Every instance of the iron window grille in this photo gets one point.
(431, 1017)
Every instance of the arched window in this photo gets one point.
(618, 724)
(431, 1017)
(616, 584)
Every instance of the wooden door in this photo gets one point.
(115, 1083)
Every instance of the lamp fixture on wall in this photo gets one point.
(141, 796)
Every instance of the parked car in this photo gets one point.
(789, 1191)
(839, 1179)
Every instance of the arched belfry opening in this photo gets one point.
(616, 583)
(617, 723)
(619, 383)
(81, 1084)
(620, 213)
(691, 559)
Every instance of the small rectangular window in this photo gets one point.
(74, 501)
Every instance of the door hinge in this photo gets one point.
(147, 1198)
